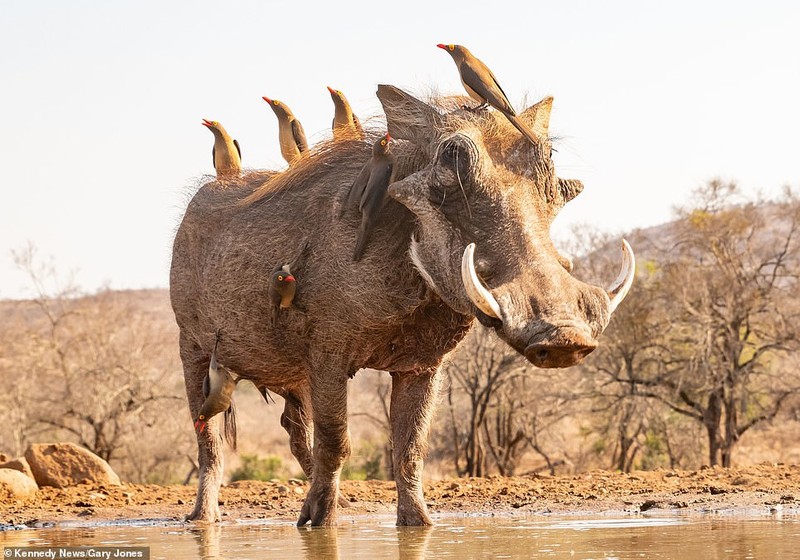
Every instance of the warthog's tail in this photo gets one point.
(229, 426)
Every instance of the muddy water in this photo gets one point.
(453, 537)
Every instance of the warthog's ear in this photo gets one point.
(407, 117)
(537, 117)
(570, 188)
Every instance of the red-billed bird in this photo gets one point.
(370, 190)
(226, 155)
(282, 289)
(346, 125)
(482, 86)
(291, 136)
(218, 387)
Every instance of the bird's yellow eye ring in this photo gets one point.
(339, 92)
(280, 278)
(276, 102)
(201, 417)
(383, 142)
(451, 47)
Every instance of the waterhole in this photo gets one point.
(454, 537)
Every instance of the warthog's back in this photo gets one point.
(226, 249)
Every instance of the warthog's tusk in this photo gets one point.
(477, 293)
(619, 288)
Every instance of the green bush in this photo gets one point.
(365, 464)
(254, 467)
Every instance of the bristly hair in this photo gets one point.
(499, 137)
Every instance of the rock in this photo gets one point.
(66, 464)
(3, 457)
(18, 464)
(16, 486)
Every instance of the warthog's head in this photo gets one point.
(484, 206)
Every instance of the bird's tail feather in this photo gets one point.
(519, 125)
(229, 426)
(361, 245)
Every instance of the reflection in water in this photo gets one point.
(208, 536)
(452, 537)
(320, 542)
(412, 542)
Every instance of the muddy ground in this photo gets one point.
(747, 491)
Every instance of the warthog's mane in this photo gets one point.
(498, 137)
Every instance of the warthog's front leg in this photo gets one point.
(209, 443)
(331, 443)
(413, 403)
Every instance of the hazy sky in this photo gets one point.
(102, 103)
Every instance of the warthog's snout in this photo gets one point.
(560, 347)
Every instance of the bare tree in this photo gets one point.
(735, 283)
(499, 408)
(477, 372)
(711, 318)
(376, 390)
(96, 371)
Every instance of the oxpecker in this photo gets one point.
(291, 136)
(226, 155)
(282, 289)
(370, 190)
(218, 387)
(346, 125)
(482, 86)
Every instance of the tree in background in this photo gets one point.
(708, 324)
(497, 406)
(733, 281)
(94, 370)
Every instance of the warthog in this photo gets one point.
(464, 236)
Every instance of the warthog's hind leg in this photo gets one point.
(209, 442)
(296, 420)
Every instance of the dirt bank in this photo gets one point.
(752, 491)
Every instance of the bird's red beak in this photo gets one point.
(441, 46)
(330, 89)
(206, 122)
(200, 426)
(289, 278)
(267, 99)
(388, 138)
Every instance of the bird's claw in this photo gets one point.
(480, 107)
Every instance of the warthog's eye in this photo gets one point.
(457, 157)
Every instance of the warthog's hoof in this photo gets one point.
(209, 513)
(412, 515)
(320, 506)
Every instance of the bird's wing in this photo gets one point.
(274, 296)
(214, 157)
(357, 124)
(485, 85)
(358, 186)
(375, 194)
(206, 387)
(299, 135)
(228, 385)
(238, 149)
(372, 201)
